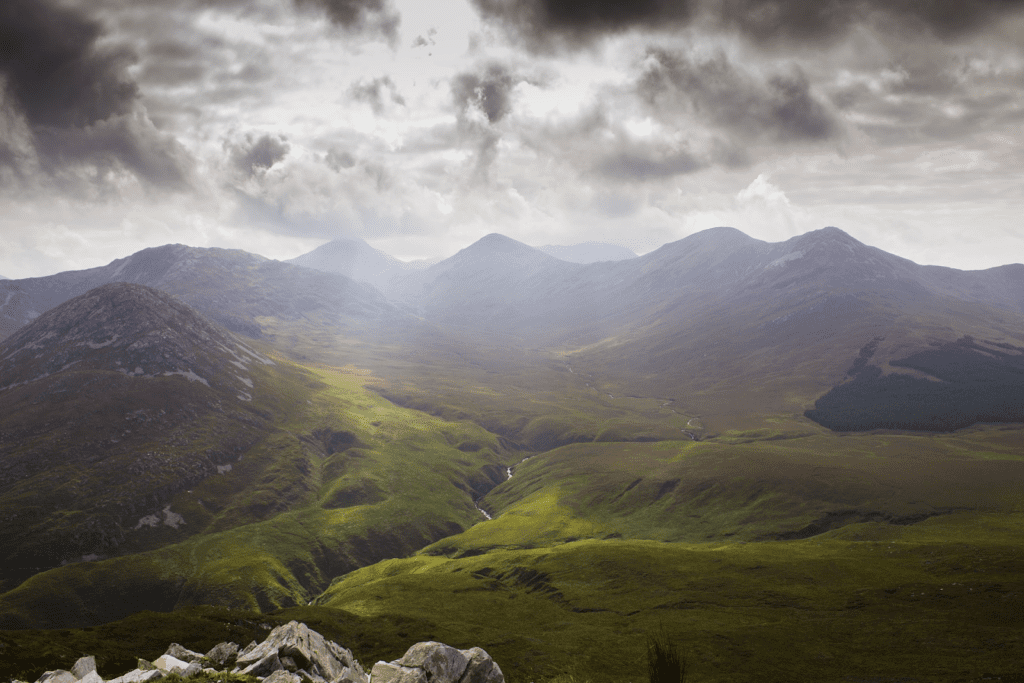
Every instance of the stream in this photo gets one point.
(508, 475)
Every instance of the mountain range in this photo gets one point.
(193, 427)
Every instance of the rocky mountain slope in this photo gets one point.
(110, 404)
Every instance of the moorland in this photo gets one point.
(799, 460)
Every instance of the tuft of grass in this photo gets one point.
(665, 663)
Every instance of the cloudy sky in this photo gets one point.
(276, 125)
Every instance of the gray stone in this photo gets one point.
(144, 665)
(383, 672)
(282, 677)
(443, 663)
(139, 676)
(57, 676)
(83, 666)
(289, 664)
(247, 649)
(264, 667)
(481, 668)
(308, 649)
(353, 674)
(170, 664)
(193, 669)
(223, 653)
(91, 677)
(183, 653)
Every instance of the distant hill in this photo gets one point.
(483, 287)
(588, 252)
(231, 286)
(355, 259)
(739, 325)
(107, 405)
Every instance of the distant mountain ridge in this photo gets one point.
(231, 286)
(744, 324)
(588, 252)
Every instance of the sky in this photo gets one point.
(276, 125)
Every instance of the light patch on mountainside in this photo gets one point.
(189, 375)
(101, 345)
(165, 517)
(779, 262)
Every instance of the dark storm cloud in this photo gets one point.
(54, 67)
(543, 24)
(816, 20)
(255, 155)
(129, 141)
(490, 92)
(713, 90)
(648, 164)
(73, 92)
(359, 15)
(376, 93)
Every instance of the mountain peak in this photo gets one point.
(829, 240)
(829, 233)
(354, 258)
(127, 328)
(721, 235)
(496, 245)
(497, 241)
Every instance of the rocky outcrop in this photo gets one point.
(308, 651)
(294, 653)
(433, 662)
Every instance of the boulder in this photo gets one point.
(83, 666)
(58, 676)
(91, 677)
(144, 665)
(384, 672)
(262, 668)
(353, 674)
(170, 664)
(193, 669)
(247, 649)
(481, 668)
(139, 676)
(224, 653)
(282, 676)
(442, 663)
(183, 653)
(307, 648)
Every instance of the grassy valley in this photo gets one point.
(664, 474)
